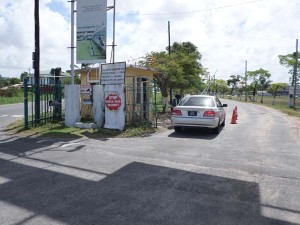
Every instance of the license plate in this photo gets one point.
(192, 113)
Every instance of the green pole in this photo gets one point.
(155, 107)
(26, 103)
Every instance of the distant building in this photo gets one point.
(46, 77)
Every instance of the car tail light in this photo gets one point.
(176, 112)
(209, 113)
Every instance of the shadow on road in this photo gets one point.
(195, 133)
(136, 194)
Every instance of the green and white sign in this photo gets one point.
(91, 31)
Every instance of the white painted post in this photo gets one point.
(72, 105)
(98, 104)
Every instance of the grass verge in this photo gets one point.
(59, 130)
(281, 104)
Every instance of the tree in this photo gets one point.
(220, 86)
(68, 80)
(233, 82)
(263, 83)
(256, 75)
(14, 80)
(242, 87)
(180, 69)
(23, 75)
(275, 88)
(3, 81)
(289, 62)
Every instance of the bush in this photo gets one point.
(10, 92)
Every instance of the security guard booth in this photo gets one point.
(139, 88)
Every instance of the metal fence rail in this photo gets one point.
(51, 108)
(141, 102)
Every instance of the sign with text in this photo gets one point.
(113, 73)
(85, 89)
(91, 31)
(113, 102)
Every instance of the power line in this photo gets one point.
(189, 12)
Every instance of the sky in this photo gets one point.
(226, 32)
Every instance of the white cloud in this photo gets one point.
(17, 37)
(257, 32)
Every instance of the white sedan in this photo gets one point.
(199, 111)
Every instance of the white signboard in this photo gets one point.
(113, 73)
(85, 89)
(91, 31)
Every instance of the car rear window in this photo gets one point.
(198, 101)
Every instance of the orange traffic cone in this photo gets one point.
(236, 112)
(234, 117)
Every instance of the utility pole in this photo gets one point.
(246, 78)
(169, 38)
(114, 31)
(295, 75)
(37, 60)
(72, 41)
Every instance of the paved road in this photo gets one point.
(10, 113)
(248, 174)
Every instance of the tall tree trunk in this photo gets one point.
(262, 96)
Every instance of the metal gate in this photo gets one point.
(43, 102)
(141, 99)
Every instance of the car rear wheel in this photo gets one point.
(223, 124)
(177, 129)
(216, 130)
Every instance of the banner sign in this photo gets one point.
(91, 31)
(113, 73)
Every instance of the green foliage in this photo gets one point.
(10, 92)
(23, 75)
(68, 80)
(259, 77)
(289, 62)
(180, 69)
(4, 81)
(275, 88)
(11, 95)
(220, 87)
(233, 81)
(14, 80)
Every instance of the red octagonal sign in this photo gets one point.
(113, 102)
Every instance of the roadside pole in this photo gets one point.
(295, 75)
(169, 38)
(36, 58)
(25, 80)
(246, 78)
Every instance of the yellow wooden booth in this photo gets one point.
(139, 92)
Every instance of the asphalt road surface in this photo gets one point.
(10, 113)
(248, 174)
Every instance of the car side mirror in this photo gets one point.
(224, 105)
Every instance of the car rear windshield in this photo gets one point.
(198, 101)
